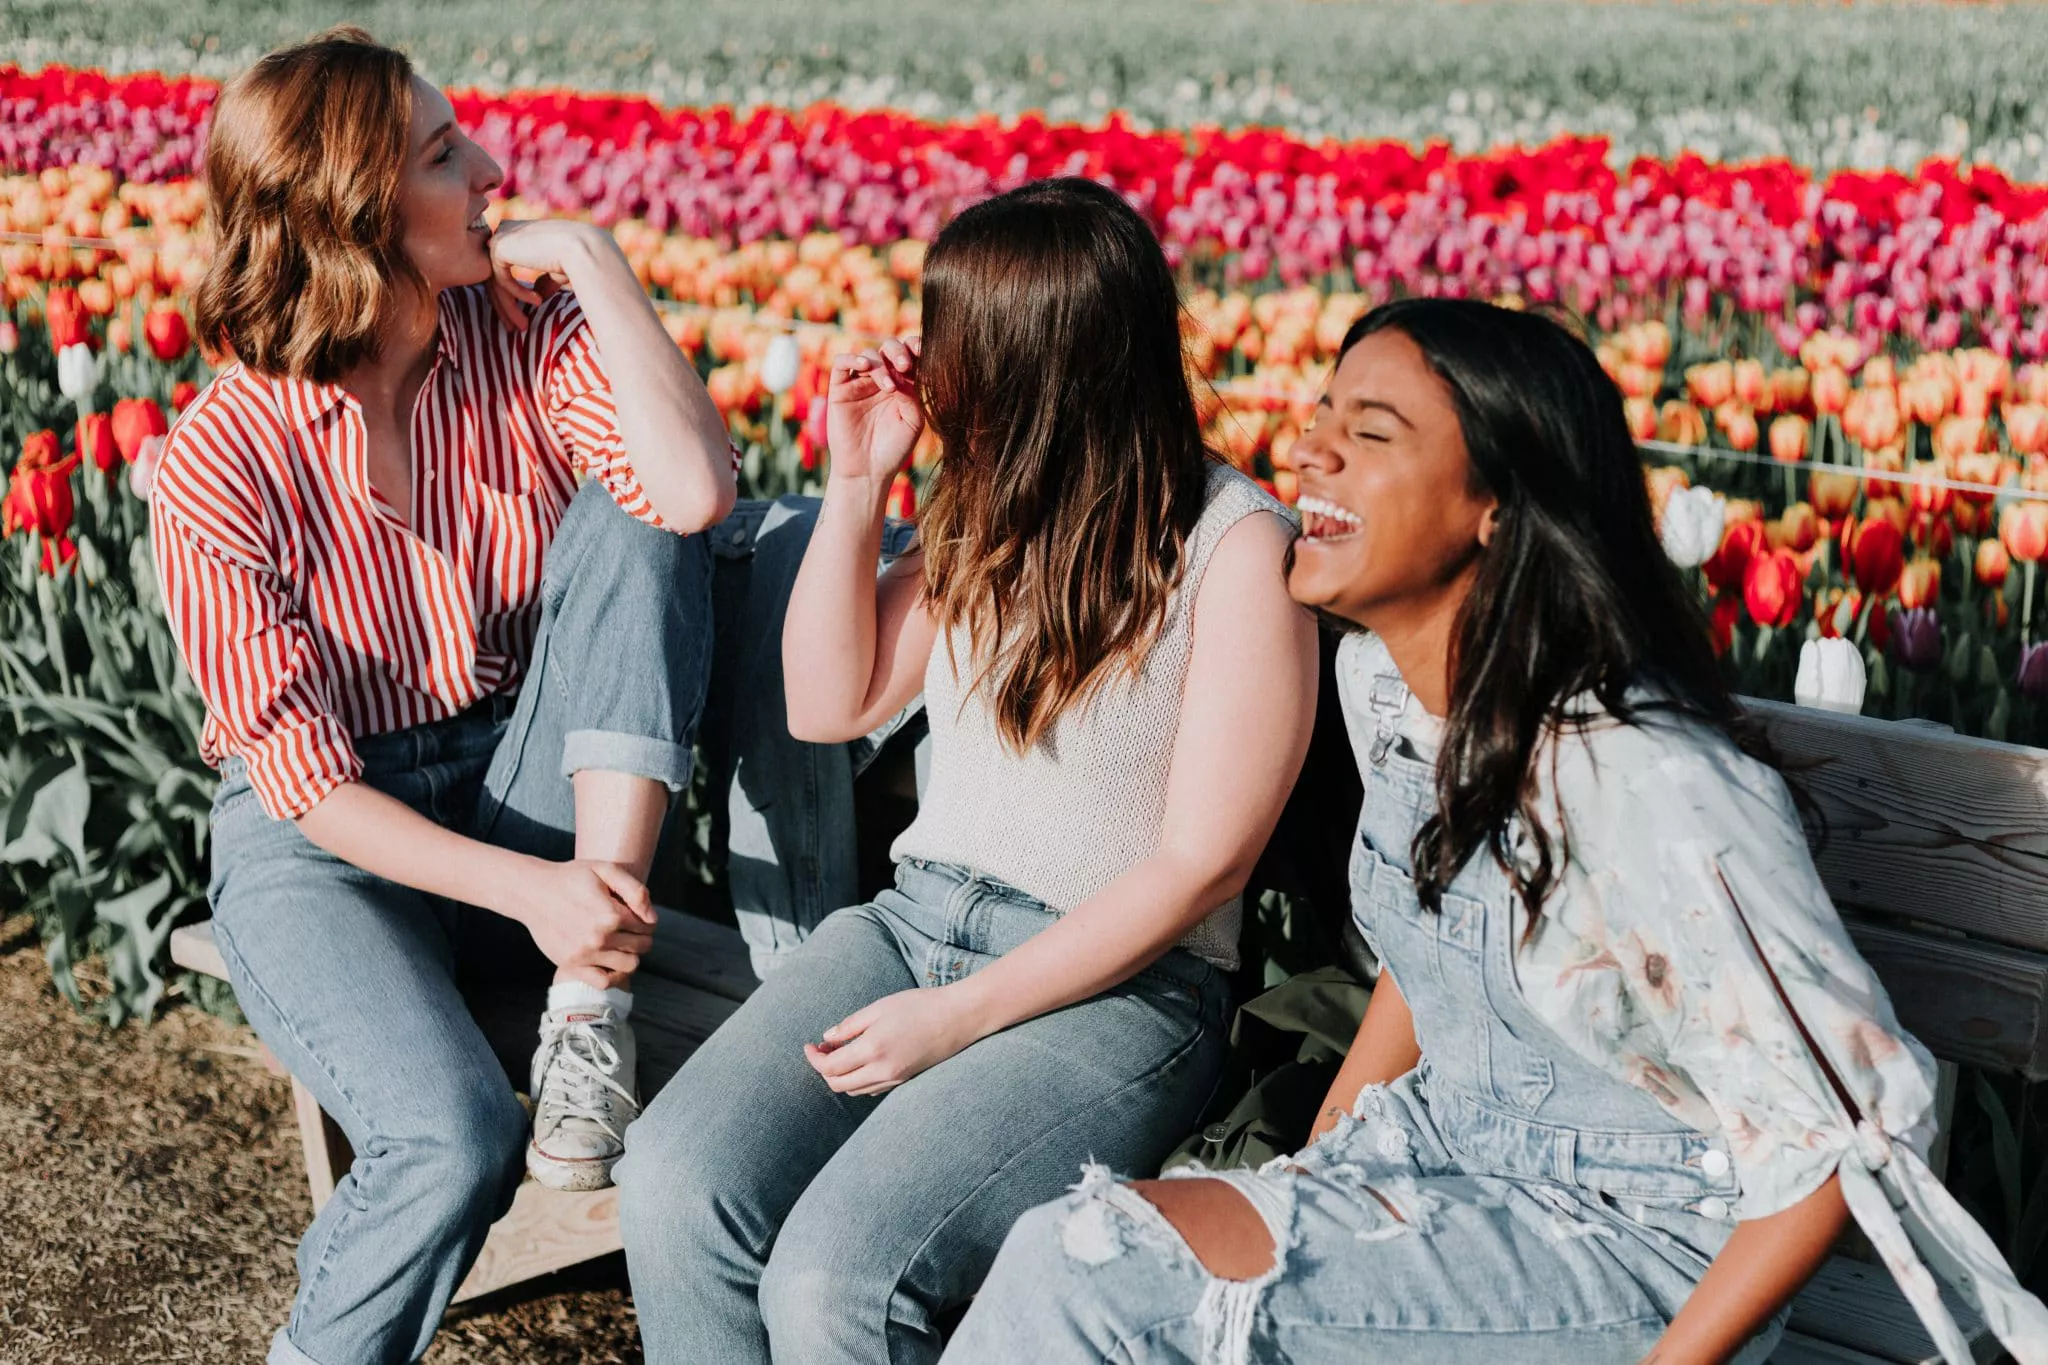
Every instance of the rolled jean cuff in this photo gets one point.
(610, 751)
(282, 1352)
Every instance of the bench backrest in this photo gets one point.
(1936, 852)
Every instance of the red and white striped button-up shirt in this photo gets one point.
(308, 609)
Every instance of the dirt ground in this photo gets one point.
(152, 1195)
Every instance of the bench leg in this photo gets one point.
(326, 1147)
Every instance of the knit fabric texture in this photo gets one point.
(1088, 801)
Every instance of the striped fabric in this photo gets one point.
(309, 612)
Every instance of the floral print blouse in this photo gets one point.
(1690, 949)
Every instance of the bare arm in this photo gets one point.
(1762, 1266)
(580, 913)
(1384, 1050)
(854, 649)
(1244, 727)
(672, 431)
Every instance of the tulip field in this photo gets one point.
(1838, 372)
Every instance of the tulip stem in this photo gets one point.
(2027, 607)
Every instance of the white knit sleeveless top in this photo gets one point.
(1089, 800)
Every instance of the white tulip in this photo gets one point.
(1831, 676)
(78, 370)
(778, 366)
(1693, 518)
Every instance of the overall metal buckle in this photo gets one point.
(1388, 699)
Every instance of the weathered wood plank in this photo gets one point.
(1948, 829)
(1857, 1306)
(1978, 1003)
(544, 1231)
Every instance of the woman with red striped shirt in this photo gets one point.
(450, 695)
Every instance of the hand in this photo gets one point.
(530, 260)
(872, 417)
(586, 914)
(884, 1045)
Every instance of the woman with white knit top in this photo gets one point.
(1120, 694)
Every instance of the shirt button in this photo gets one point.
(1714, 1208)
(1714, 1163)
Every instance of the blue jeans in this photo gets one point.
(789, 819)
(1507, 1198)
(358, 984)
(767, 1218)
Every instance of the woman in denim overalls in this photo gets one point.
(1623, 1078)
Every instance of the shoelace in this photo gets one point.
(581, 1074)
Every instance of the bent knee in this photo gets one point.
(1218, 1224)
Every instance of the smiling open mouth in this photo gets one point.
(1323, 521)
(480, 224)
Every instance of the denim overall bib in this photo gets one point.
(1503, 1110)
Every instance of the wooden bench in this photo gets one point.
(1937, 854)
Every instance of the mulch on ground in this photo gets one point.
(153, 1193)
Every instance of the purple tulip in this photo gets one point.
(1916, 638)
(2033, 673)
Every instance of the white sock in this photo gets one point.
(569, 994)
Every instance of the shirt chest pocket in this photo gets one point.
(509, 532)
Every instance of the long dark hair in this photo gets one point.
(1074, 469)
(1574, 593)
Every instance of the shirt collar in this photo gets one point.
(307, 401)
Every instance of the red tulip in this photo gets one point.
(1876, 554)
(167, 332)
(1772, 588)
(95, 442)
(182, 393)
(1741, 542)
(39, 496)
(135, 419)
(902, 498)
(68, 322)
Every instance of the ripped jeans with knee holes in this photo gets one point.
(1506, 1198)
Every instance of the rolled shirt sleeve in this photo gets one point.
(249, 653)
(1702, 918)
(577, 391)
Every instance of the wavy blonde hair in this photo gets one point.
(304, 162)
(1074, 468)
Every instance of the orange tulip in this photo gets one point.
(1798, 530)
(1711, 384)
(2026, 425)
(1994, 563)
(1648, 344)
(1927, 397)
(1926, 496)
(1835, 611)
(1788, 438)
(1752, 385)
(1830, 390)
(1879, 373)
(1920, 584)
(1832, 495)
(1790, 389)
(1662, 481)
(1738, 424)
(2024, 529)
(1642, 418)
(1680, 423)
(1960, 435)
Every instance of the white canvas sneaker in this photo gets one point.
(584, 1096)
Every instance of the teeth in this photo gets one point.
(1313, 506)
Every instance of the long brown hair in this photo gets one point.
(1074, 469)
(304, 160)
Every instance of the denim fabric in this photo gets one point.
(767, 1218)
(790, 840)
(1506, 1197)
(358, 984)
